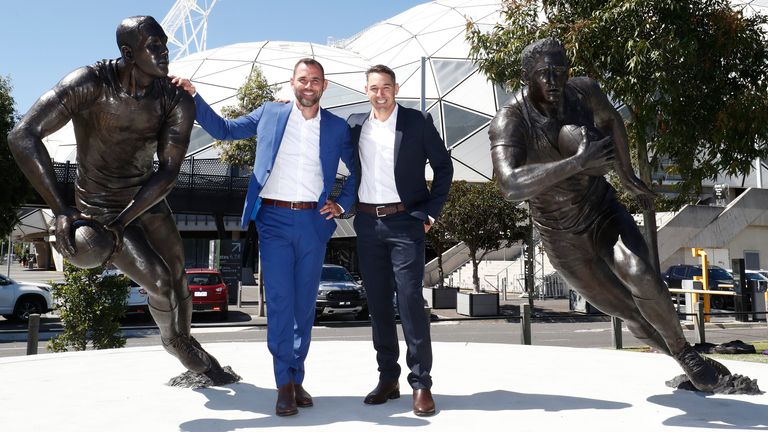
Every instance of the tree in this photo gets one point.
(438, 238)
(250, 96)
(90, 309)
(692, 74)
(477, 215)
(15, 188)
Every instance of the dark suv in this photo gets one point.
(340, 294)
(718, 278)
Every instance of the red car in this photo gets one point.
(209, 293)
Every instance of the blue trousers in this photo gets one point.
(292, 259)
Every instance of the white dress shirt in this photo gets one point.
(377, 161)
(297, 174)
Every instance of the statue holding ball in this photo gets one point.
(125, 112)
(551, 145)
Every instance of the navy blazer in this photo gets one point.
(416, 142)
(268, 124)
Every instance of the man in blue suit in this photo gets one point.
(297, 157)
(394, 212)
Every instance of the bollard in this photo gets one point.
(33, 333)
(239, 294)
(616, 330)
(525, 321)
(698, 322)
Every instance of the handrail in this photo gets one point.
(695, 291)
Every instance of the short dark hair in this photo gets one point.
(538, 48)
(383, 69)
(309, 62)
(129, 30)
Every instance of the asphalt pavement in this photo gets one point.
(249, 313)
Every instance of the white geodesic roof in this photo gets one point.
(459, 98)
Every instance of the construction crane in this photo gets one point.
(186, 25)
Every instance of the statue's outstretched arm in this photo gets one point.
(519, 180)
(25, 141)
(608, 120)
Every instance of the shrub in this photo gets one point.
(90, 307)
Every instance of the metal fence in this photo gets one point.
(204, 175)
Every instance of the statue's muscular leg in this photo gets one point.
(595, 281)
(142, 263)
(628, 259)
(164, 238)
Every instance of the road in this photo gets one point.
(570, 334)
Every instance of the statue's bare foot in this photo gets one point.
(212, 375)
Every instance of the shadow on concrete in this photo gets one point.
(245, 397)
(699, 410)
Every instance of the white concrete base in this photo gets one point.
(477, 387)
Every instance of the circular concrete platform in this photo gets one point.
(477, 387)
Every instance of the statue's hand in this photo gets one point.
(117, 230)
(642, 193)
(595, 155)
(65, 235)
(183, 84)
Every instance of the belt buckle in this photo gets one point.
(294, 205)
(377, 211)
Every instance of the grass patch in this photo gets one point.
(760, 346)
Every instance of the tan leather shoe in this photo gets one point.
(303, 399)
(286, 401)
(423, 404)
(383, 392)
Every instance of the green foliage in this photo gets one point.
(90, 309)
(16, 188)
(250, 96)
(691, 73)
(477, 215)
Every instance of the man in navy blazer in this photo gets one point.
(297, 158)
(394, 211)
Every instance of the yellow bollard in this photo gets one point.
(704, 278)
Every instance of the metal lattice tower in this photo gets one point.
(186, 25)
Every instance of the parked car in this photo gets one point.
(209, 292)
(138, 297)
(756, 279)
(20, 299)
(719, 279)
(339, 293)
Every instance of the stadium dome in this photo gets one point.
(462, 102)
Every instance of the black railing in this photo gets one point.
(224, 185)
(203, 175)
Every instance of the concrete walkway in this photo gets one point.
(477, 387)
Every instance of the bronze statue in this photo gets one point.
(125, 111)
(546, 148)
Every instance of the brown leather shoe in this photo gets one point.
(303, 399)
(383, 392)
(286, 401)
(423, 404)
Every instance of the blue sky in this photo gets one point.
(43, 40)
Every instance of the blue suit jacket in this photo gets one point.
(416, 143)
(268, 124)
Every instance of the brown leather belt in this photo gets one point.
(293, 205)
(381, 210)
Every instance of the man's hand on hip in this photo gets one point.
(331, 209)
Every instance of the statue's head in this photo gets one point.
(545, 70)
(142, 44)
